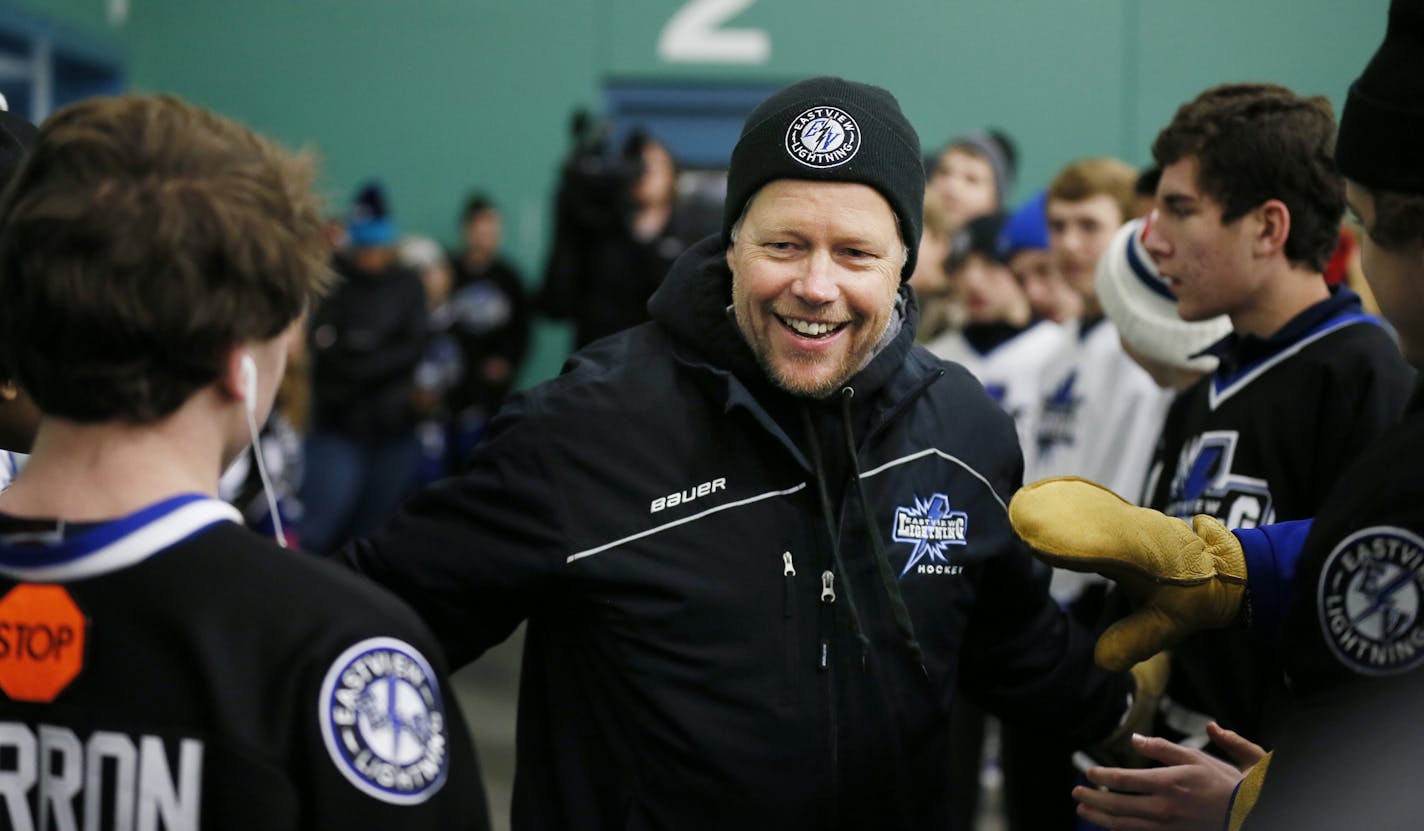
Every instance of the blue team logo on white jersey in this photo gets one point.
(1204, 484)
(932, 528)
(1057, 423)
(1370, 597)
(383, 721)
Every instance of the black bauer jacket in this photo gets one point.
(711, 642)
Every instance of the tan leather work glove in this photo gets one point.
(1248, 793)
(1150, 684)
(1181, 579)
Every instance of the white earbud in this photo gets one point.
(248, 368)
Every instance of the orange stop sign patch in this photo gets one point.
(41, 642)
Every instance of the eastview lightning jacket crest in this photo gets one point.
(745, 653)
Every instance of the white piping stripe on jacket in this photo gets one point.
(947, 457)
(759, 497)
(865, 475)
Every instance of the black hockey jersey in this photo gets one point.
(1353, 645)
(172, 670)
(1264, 438)
(1261, 440)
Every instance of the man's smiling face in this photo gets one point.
(815, 269)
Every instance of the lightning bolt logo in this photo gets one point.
(931, 527)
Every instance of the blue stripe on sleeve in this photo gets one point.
(1271, 554)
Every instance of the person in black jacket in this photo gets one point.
(490, 316)
(162, 666)
(619, 229)
(761, 540)
(365, 340)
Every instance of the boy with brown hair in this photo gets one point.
(1100, 412)
(155, 259)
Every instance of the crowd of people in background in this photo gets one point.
(1192, 340)
(416, 347)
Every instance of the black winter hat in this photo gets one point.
(979, 235)
(831, 130)
(1383, 119)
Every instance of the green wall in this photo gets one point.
(438, 96)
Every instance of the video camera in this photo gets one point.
(596, 185)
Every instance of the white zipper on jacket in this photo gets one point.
(788, 595)
(789, 624)
(828, 596)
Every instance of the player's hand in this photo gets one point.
(1191, 792)
(1149, 685)
(1181, 579)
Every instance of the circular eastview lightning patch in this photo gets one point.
(383, 721)
(823, 137)
(1370, 599)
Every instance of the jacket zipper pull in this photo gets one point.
(828, 595)
(786, 595)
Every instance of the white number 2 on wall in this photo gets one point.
(692, 35)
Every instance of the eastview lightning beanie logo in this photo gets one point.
(831, 130)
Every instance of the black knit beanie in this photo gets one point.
(1383, 122)
(831, 130)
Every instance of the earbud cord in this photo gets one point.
(266, 483)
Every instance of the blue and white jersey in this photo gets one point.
(1099, 414)
(10, 464)
(1009, 370)
(1265, 436)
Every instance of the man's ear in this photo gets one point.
(1273, 227)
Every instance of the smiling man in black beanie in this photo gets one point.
(760, 540)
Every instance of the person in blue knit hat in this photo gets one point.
(1023, 246)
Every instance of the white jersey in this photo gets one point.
(1010, 371)
(1099, 414)
(1099, 418)
(10, 464)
